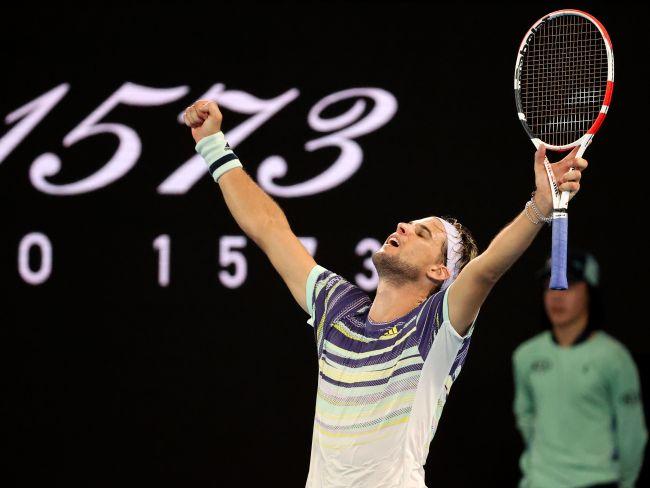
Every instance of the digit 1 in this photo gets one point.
(162, 245)
(31, 114)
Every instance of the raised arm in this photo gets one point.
(475, 281)
(255, 212)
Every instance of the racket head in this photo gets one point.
(564, 79)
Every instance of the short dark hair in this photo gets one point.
(582, 266)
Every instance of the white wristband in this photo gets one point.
(217, 154)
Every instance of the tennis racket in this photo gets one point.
(564, 79)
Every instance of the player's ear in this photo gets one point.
(438, 272)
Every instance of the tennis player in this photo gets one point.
(385, 364)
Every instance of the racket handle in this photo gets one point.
(559, 251)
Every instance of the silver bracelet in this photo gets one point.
(540, 216)
(532, 218)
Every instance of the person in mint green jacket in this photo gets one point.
(577, 394)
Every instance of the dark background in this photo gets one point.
(114, 380)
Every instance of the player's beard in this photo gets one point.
(394, 270)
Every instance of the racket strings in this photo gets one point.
(563, 79)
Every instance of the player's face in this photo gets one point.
(565, 307)
(416, 245)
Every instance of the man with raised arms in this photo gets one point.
(385, 365)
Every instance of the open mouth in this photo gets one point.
(392, 241)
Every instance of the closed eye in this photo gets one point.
(421, 229)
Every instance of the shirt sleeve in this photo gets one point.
(631, 433)
(329, 297)
(433, 317)
(523, 406)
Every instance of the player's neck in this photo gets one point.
(567, 334)
(394, 301)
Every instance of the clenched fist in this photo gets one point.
(204, 117)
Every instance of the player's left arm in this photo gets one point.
(478, 277)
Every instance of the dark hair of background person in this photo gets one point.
(597, 310)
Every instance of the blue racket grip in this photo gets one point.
(559, 251)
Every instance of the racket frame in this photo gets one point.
(561, 199)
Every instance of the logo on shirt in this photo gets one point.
(630, 398)
(389, 333)
(541, 366)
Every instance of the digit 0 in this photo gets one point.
(40, 242)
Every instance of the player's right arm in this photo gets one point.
(265, 223)
(261, 219)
